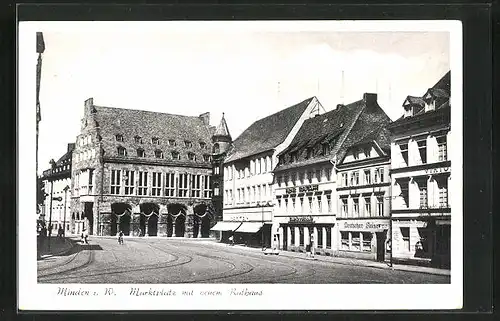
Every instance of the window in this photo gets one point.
(294, 157)
(91, 178)
(156, 188)
(301, 178)
(206, 158)
(328, 174)
(301, 236)
(319, 204)
(367, 242)
(142, 186)
(278, 180)
(379, 175)
(259, 192)
(155, 141)
(216, 170)
(405, 234)
(325, 148)
(206, 188)
(442, 184)
(355, 241)
(294, 179)
(442, 149)
(403, 185)
(176, 155)
(158, 153)
(355, 178)
(122, 151)
(129, 180)
(119, 137)
(169, 184)
(355, 153)
(188, 144)
(328, 238)
(343, 207)
(320, 237)
(329, 202)
(368, 177)
(368, 207)
(344, 239)
(309, 153)
(285, 179)
(171, 142)
(367, 152)
(191, 156)
(301, 204)
(293, 203)
(138, 139)
(196, 186)
(203, 145)
(264, 165)
(310, 204)
(404, 152)
(344, 179)
(355, 207)
(292, 236)
(141, 153)
(183, 185)
(422, 149)
(380, 206)
(422, 186)
(254, 194)
(309, 176)
(318, 175)
(115, 181)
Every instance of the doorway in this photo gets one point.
(285, 238)
(381, 246)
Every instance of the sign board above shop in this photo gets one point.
(302, 189)
(301, 219)
(364, 225)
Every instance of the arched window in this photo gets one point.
(141, 152)
(176, 155)
(158, 153)
(122, 151)
(138, 139)
(191, 156)
(119, 137)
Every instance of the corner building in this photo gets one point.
(306, 175)
(143, 173)
(421, 176)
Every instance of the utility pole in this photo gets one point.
(65, 196)
(50, 212)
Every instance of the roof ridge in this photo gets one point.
(147, 111)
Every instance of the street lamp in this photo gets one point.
(64, 222)
(262, 205)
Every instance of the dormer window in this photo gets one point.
(325, 149)
(171, 142)
(294, 157)
(138, 139)
(191, 156)
(141, 153)
(176, 155)
(158, 154)
(188, 144)
(122, 151)
(119, 137)
(206, 158)
(355, 153)
(203, 145)
(155, 141)
(309, 153)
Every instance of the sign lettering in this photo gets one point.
(290, 190)
(301, 219)
(369, 225)
(308, 188)
(437, 170)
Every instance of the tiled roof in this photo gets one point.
(380, 135)
(145, 124)
(267, 133)
(222, 129)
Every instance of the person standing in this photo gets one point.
(312, 245)
(85, 236)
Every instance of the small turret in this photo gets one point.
(221, 139)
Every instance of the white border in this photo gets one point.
(33, 296)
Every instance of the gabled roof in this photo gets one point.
(414, 100)
(147, 124)
(380, 136)
(267, 133)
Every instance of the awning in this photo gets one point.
(250, 227)
(225, 226)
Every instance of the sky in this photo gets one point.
(247, 74)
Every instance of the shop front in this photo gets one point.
(296, 232)
(364, 238)
(226, 229)
(252, 228)
(425, 241)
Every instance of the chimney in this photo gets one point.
(71, 146)
(205, 117)
(370, 99)
(89, 103)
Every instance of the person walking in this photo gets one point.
(120, 237)
(85, 236)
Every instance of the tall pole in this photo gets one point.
(262, 231)
(65, 196)
(50, 212)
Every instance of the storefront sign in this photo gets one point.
(239, 218)
(437, 170)
(301, 219)
(308, 188)
(290, 190)
(365, 225)
(415, 223)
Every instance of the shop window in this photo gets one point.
(301, 236)
(367, 242)
(404, 152)
(422, 149)
(368, 177)
(443, 239)
(344, 239)
(442, 149)
(355, 241)
(405, 235)
(422, 247)
(328, 238)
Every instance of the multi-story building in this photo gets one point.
(306, 175)
(56, 183)
(421, 175)
(144, 173)
(248, 174)
(363, 195)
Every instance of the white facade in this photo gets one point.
(59, 207)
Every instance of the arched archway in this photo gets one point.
(176, 220)
(153, 225)
(200, 212)
(148, 222)
(180, 225)
(120, 219)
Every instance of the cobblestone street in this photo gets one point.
(168, 261)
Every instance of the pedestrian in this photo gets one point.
(85, 236)
(231, 239)
(120, 237)
(312, 245)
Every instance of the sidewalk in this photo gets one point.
(350, 261)
(58, 246)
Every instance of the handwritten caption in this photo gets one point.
(155, 292)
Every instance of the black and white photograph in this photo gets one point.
(240, 164)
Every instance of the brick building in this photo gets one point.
(421, 175)
(306, 175)
(144, 173)
(56, 182)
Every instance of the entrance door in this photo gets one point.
(89, 214)
(380, 246)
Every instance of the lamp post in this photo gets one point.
(66, 188)
(50, 213)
